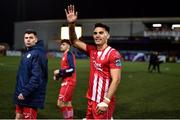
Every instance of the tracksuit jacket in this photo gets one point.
(32, 77)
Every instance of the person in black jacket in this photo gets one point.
(154, 63)
(32, 77)
(151, 61)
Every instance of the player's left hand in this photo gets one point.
(20, 96)
(56, 75)
(101, 107)
(56, 72)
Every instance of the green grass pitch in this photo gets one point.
(140, 94)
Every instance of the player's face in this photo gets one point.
(64, 46)
(100, 36)
(30, 40)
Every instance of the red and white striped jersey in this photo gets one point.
(101, 61)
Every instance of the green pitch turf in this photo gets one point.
(140, 95)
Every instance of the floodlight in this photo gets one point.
(175, 26)
(156, 25)
(65, 32)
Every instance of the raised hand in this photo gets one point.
(71, 14)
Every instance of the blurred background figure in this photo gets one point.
(3, 48)
(154, 62)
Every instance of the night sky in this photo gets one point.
(25, 10)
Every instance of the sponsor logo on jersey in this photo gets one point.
(98, 66)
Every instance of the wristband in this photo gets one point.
(107, 99)
(102, 104)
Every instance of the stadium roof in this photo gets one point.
(24, 10)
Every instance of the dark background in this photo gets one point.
(25, 10)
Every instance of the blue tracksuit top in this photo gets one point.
(32, 77)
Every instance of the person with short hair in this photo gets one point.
(105, 68)
(32, 77)
(67, 73)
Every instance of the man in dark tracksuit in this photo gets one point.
(154, 62)
(31, 78)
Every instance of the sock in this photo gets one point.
(67, 112)
(70, 112)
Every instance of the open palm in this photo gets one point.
(71, 14)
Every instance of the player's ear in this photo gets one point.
(108, 35)
(36, 39)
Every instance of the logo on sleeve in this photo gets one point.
(29, 55)
(118, 62)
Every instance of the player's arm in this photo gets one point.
(71, 16)
(70, 69)
(115, 72)
(73, 38)
(66, 72)
(116, 75)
